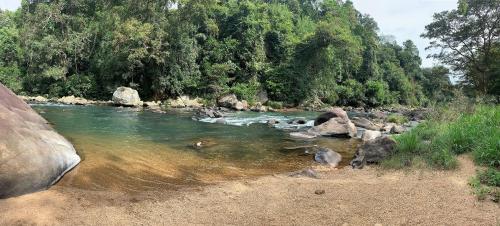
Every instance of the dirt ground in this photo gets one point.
(352, 197)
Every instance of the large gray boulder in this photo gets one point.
(32, 155)
(227, 101)
(373, 151)
(231, 101)
(334, 123)
(125, 96)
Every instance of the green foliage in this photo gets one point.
(325, 51)
(377, 93)
(490, 177)
(275, 104)
(439, 140)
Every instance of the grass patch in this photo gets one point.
(397, 118)
(451, 132)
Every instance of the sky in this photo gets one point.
(403, 19)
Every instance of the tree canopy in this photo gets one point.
(468, 39)
(296, 50)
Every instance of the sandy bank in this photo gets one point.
(361, 197)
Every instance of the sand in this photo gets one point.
(352, 197)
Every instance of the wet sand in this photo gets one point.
(352, 197)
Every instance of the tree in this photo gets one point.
(466, 38)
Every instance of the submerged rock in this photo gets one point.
(32, 155)
(303, 135)
(306, 173)
(125, 96)
(327, 156)
(334, 123)
(373, 151)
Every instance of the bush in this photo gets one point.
(351, 93)
(439, 140)
(246, 91)
(377, 93)
(81, 86)
(275, 104)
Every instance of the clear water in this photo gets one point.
(129, 150)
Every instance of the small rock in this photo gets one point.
(319, 192)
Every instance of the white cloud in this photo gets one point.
(405, 19)
(10, 4)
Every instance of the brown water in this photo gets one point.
(133, 151)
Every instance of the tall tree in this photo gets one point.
(466, 38)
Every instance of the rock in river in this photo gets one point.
(370, 135)
(32, 155)
(327, 156)
(334, 123)
(373, 151)
(128, 97)
(365, 123)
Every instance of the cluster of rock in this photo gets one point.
(377, 144)
(230, 101)
(32, 155)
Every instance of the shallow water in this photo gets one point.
(127, 150)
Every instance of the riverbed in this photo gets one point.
(130, 150)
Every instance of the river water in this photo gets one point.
(127, 150)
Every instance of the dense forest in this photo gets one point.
(296, 51)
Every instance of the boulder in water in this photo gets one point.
(327, 156)
(125, 96)
(373, 151)
(332, 113)
(334, 123)
(32, 155)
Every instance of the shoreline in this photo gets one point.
(352, 197)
